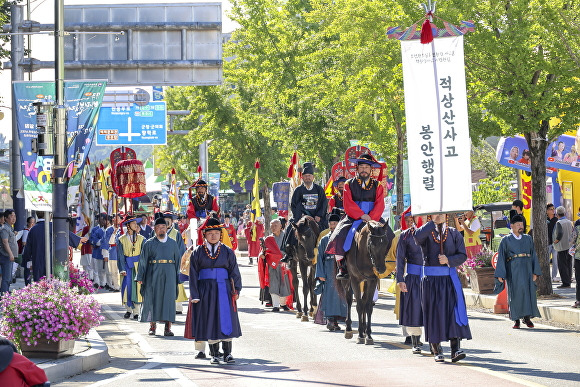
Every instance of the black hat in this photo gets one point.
(160, 220)
(517, 218)
(169, 214)
(132, 218)
(334, 218)
(158, 215)
(199, 183)
(340, 179)
(366, 158)
(212, 224)
(308, 169)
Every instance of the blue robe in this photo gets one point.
(159, 289)
(34, 249)
(440, 295)
(215, 316)
(517, 271)
(409, 253)
(111, 247)
(96, 239)
(147, 232)
(128, 254)
(331, 303)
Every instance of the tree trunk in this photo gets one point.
(537, 143)
(399, 175)
(267, 209)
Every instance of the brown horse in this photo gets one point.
(365, 261)
(307, 232)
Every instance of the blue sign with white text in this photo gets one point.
(134, 125)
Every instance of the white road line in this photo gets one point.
(502, 375)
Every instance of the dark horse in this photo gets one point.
(307, 232)
(365, 260)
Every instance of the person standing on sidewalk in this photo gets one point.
(562, 237)
(98, 263)
(111, 236)
(518, 265)
(552, 254)
(8, 249)
(575, 252)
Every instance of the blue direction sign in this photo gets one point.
(134, 125)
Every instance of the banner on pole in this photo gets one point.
(438, 141)
(82, 100)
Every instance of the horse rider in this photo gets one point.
(335, 203)
(308, 199)
(442, 299)
(364, 200)
(202, 203)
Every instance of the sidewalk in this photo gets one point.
(557, 310)
(89, 353)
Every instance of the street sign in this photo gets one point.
(134, 125)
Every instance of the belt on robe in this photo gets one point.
(415, 269)
(162, 261)
(517, 256)
(220, 275)
(460, 309)
(366, 207)
(128, 279)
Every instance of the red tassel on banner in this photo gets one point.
(173, 171)
(199, 171)
(426, 32)
(257, 165)
(290, 171)
(294, 158)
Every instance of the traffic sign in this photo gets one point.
(134, 125)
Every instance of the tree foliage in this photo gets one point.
(495, 189)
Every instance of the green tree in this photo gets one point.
(496, 189)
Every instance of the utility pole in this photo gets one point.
(59, 169)
(17, 55)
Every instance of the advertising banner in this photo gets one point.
(438, 141)
(82, 100)
(281, 192)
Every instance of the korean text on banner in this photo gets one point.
(82, 100)
(437, 126)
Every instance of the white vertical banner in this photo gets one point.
(438, 143)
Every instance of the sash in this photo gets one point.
(366, 207)
(127, 285)
(415, 269)
(460, 309)
(220, 275)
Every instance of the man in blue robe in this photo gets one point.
(34, 255)
(99, 264)
(409, 274)
(129, 247)
(333, 306)
(215, 284)
(442, 299)
(518, 265)
(157, 274)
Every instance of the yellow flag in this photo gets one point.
(256, 209)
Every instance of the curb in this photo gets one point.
(563, 315)
(97, 355)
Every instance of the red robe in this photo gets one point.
(254, 246)
(273, 255)
(232, 234)
(354, 211)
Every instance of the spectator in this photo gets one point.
(562, 237)
(17, 370)
(517, 209)
(99, 263)
(30, 222)
(8, 249)
(552, 255)
(575, 252)
(471, 227)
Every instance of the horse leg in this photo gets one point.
(295, 284)
(305, 287)
(313, 300)
(360, 309)
(369, 309)
(348, 321)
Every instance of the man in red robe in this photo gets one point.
(231, 231)
(253, 238)
(364, 200)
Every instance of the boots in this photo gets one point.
(456, 353)
(437, 352)
(416, 347)
(152, 328)
(167, 331)
(214, 352)
(227, 347)
(342, 270)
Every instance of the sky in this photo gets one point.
(43, 45)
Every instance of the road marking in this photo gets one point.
(152, 361)
(501, 375)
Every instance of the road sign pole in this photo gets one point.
(59, 170)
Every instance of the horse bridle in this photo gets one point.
(370, 254)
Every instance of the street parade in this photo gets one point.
(277, 193)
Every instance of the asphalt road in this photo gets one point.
(277, 349)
